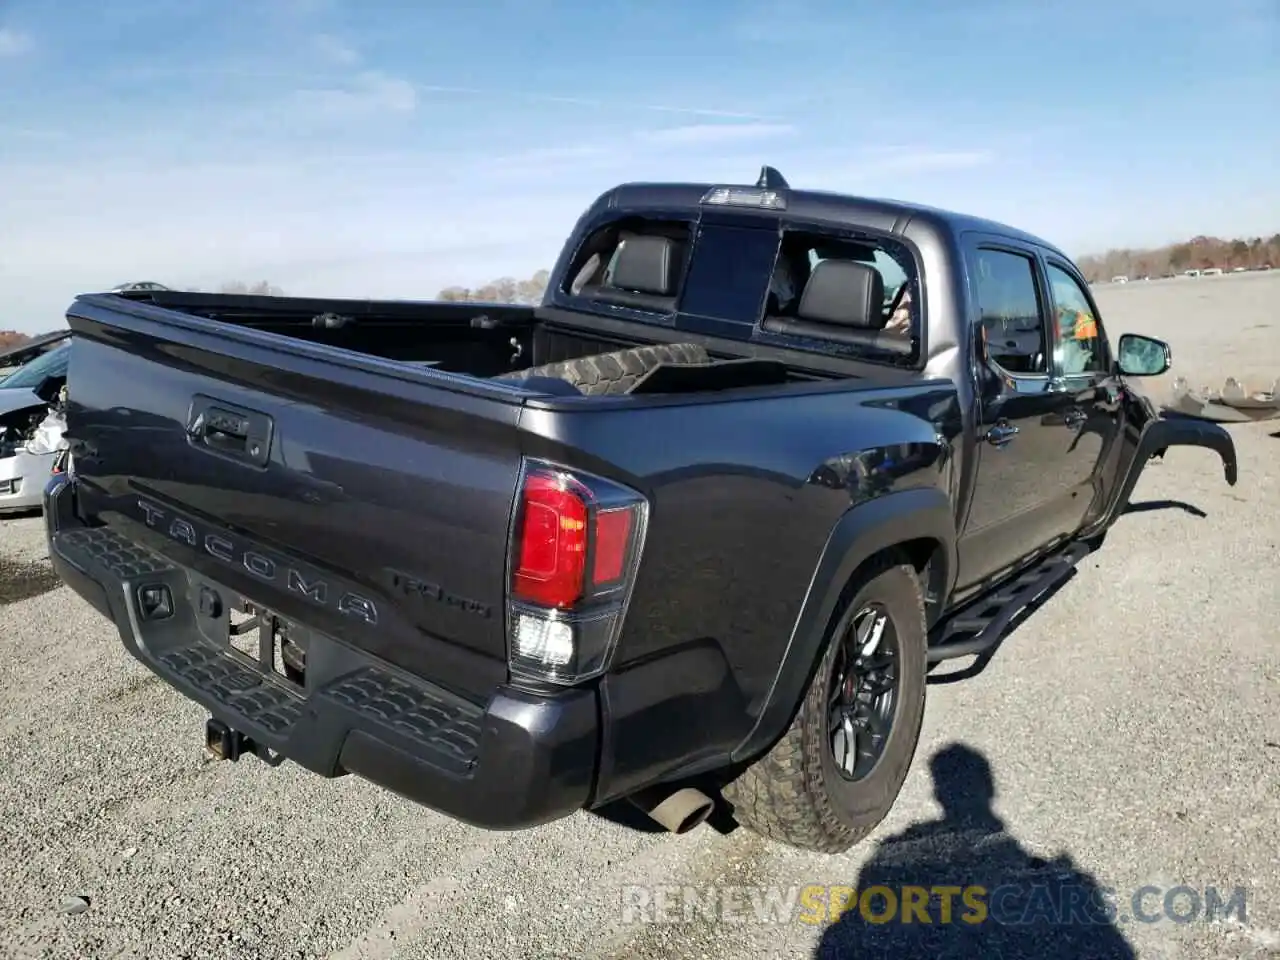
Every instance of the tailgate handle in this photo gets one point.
(230, 431)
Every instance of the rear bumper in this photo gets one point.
(518, 761)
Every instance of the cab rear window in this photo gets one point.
(634, 263)
(759, 278)
(729, 272)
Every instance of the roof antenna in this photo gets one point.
(771, 179)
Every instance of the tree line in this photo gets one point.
(12, 338)
(1198, 253)
(260, 289)
(502, 290)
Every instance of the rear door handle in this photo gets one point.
(1001, 433)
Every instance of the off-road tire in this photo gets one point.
(614, 373)
(793, 793)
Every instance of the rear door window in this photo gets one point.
(1011, 312)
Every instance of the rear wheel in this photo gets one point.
(836, 773)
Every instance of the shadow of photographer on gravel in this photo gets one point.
(1026, 907)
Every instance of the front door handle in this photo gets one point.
(1074, 419)
(1001, 433)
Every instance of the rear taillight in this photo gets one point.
(575, 547)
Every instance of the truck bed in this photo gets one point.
(245, 420)
(483, 341)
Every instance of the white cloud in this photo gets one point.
(399, 224)
(540, 162)
(703, 112)
(30, 134)
(14, 43)
(304, 8)
(372, 226)
(611, 105)
(369, 92)
(336, 50)
(924, 161)
(714, 133)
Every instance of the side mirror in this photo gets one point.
(1140, 356)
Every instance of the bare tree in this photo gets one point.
(502, 290)
(260, 289)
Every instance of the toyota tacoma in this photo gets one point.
(693, 529)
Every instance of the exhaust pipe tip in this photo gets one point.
(676, 812)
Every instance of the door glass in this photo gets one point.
(1077, 333)
(1010, 312)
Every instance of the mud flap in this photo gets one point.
(1157, 436)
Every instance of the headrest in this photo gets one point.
(644, 265)
(845, 293)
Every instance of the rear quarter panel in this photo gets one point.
(744, 495)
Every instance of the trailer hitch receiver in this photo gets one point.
(223, 743)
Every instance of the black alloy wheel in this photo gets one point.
(863, 693)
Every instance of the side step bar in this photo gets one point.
(978, 627)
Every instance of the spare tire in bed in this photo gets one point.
(614, 373)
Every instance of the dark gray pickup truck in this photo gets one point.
(693, 530)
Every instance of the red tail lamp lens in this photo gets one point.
(552, 543)
(613, 533)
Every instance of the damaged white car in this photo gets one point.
(31, 428)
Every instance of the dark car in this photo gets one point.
(682, 529)
(11, 358)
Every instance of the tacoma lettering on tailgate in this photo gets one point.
(264, 567)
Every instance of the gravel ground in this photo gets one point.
(1132, 727)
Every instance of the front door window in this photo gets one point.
(1078, 346)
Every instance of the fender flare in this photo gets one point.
(1156, 436)
(862, 532)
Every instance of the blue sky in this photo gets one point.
(388, 150)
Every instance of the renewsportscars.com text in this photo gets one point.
(1008, 905)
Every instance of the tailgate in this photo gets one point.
(363, 498)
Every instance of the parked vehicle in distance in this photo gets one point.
(31, 428)
(699, 524)
(139, 286)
